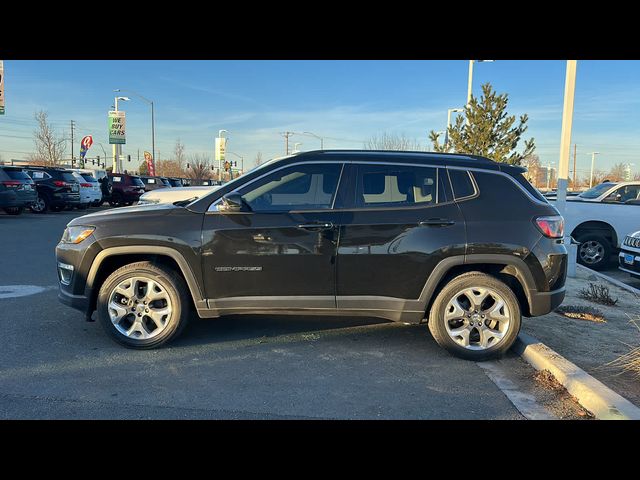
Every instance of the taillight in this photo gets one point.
(85, 185)
(12, 183)
(59, 183)
(552, 226)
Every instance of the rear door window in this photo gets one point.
(398, 186)
(16, 174)
(461, 183)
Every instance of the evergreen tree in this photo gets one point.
(490, 132)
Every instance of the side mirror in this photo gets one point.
(232, 202)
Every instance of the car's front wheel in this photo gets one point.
(594, 251)
(476, 317)
(142, 305)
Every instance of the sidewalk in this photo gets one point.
(592, 345)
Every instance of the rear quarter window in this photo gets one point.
(16, 174)
(461, 183)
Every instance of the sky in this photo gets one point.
(346, 102)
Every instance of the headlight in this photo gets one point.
(76, 234)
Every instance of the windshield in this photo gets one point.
(89, 178)
(137, 182)
(69, 177)
(596, 191)
(16, 174)
(174, 182)
(164, 181)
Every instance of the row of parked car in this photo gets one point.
(43, 189)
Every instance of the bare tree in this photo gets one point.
(258, 160)
(391, 141)
(532, 162)
(49, 147)
(179, 153)
(199, 168)
(618, 172)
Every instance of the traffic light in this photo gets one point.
(93, 161)
(128, 158)
(188, 166)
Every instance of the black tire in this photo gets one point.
(14, 210)
(116, 200)
(98, 203)
(41, 205)
(437, 320)
(598, 243)
(175, 287)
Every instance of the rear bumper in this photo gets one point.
(17, 199)
(541, 303)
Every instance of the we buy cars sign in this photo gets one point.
(116, 127)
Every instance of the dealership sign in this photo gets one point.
(116, 127)
(221, 145)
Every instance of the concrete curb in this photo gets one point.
(617, 283)
(604, 403)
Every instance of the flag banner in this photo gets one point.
(117, 127)
(1, 87)
(150, 166)
(86, 142)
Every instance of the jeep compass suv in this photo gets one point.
(457, 242)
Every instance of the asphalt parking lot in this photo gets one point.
(55, 365)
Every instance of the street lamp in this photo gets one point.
(153, 128)
(471, 62)
(317, 136)
(446, 133)
(593, 162)
(117, 148)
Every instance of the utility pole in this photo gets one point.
(286, 136)
(593, 162)
(73, 160)
(575, 148)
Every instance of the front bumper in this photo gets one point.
(630, 268)
(79, 302)
(541, 303)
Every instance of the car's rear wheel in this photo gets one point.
(143, 306)
(594, 251)
(116, 200)
(476, 317)
(41, 205)
(13, 210)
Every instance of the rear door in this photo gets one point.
(399, 221)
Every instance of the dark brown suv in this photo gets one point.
(125, 189)
(458, 242)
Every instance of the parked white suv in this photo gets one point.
(90, 192)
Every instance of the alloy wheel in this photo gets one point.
(39, 205)
(477, 318)
(140, 308)
(591, 252)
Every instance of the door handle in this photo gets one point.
(317, 226)
(437, 222)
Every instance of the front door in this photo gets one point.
(281, 251)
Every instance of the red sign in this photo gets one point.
(150, 166)
(87, 141)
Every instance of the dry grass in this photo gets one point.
(579, 312)
(630, 361)
(598, 294)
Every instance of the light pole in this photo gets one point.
(105, 154)
(318, 137)
(446, 133)
(117, 148)
(593, 162)
(469, 86)
(153, 127)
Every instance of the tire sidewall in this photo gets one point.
(179, 309)
(602, 264)
(437, 322)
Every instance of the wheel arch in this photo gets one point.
(110, 259)
(599, 227)
(511, 270)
